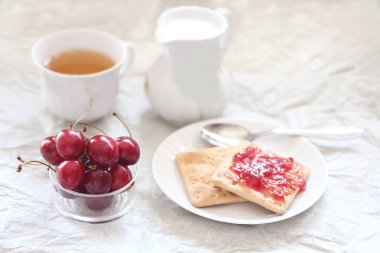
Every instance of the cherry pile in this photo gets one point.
(94, 165)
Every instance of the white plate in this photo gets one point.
(167, 176)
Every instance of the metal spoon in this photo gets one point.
(225, 134)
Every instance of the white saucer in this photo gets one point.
(169, 179)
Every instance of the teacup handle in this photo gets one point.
(129, 59)
(231, 19)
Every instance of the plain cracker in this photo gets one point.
(197, 167)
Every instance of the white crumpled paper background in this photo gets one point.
(294, 62)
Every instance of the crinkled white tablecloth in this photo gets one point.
(299, 63)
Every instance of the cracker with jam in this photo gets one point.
(262, 177)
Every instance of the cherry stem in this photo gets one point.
(122, 122)
(89, 125)
(23, 162)
(89, 106)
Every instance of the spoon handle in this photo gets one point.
(338, 133)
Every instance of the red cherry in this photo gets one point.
(129, 150)
(49, 151)
(103, 150)
(121, 176)
(70, 174)
(98, 203)
(70, 144)
(67, 195)
(97, 181)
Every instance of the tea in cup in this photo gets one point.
(79, 62)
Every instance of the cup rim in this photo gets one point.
(85, 30)
(53, 178)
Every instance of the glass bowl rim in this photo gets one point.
(53, 177)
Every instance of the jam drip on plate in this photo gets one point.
(266, 172)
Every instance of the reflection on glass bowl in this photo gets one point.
(94, 208)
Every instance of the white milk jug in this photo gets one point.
(184, 83)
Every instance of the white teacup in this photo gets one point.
(69, 96)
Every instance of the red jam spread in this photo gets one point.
(266, 172)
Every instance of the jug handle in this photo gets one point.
(129, 59)
(227, 37)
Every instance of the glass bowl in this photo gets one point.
(94, 208)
